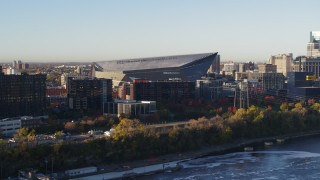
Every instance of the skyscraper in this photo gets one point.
(313, 47)
(22, 95)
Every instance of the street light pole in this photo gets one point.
(46, 161)
(51, 165)
(1, 170)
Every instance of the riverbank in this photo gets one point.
(171, 161)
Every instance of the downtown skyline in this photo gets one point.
(82, 31)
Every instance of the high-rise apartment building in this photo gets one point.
(89, 93)
(22, 95)
(162, 90)
(283, 62)
(313, 47)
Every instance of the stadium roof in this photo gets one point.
(151, 63)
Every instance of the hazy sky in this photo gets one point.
(94, 30)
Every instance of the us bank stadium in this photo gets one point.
(176, 68)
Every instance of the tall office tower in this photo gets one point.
(89, 94)
(19, 65)
(313, 47)
(22, 95)
(283, 62)
(14, 64)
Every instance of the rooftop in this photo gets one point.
(22, 118)
(151, 62)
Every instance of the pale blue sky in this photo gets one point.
(94, 30)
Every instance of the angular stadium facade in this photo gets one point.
(182, 67)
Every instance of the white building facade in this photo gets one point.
(283, 63)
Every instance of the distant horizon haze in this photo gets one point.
(89, 31)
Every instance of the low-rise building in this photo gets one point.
(10, 126)
(130, 107)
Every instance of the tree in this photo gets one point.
(240, 115)
(284, 106)
(101, 121)
(58, 134)
(23, 132)
(164, 114)
(153, 117)
(269, 100)
(252, 112)
(57, 147)
(124, 116)
(311, 101)
(298, 107)
(2, 145)
(31, 135)
(316, 107)
(70, 126)
(128, 128)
